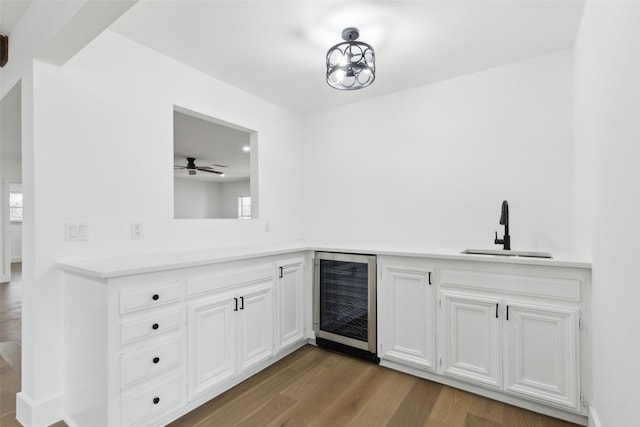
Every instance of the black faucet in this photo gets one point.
(504, 220)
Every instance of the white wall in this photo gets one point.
(196, 199)
(120, 96)
(230, 193)
(431, 166)
(103, 154)
(16, 229)
(607, 192)
(12, 171)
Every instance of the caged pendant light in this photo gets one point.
(350, 64)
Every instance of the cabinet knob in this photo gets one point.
(155, 297)
(155, 326)
(156, 400)
(156, 359)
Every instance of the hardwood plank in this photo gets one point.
(451, 408)
(315, 376)
(321, 389)
(10, 386)
(487, 408)
(546, 421)
(344, 407)
(520, 417)
(416, 407)
(232, 406)
(268, 411)
(391, 389)
(475, 421)
(295, 362)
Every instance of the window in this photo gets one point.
(244, 207)
(15, 206)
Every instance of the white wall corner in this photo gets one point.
(594, 421)
(38, 414)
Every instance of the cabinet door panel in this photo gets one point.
(290, 304)
(408, 317)
(540, 353)
(212, 342)
(472, 338)
(255, 321)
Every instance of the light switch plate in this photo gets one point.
(137, 232)
(76, 231)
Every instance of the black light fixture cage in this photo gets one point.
(351, 64)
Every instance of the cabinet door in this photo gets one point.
(540, 352)
(407, 317)
(472, 339)
(290, 303)
(212, 343)
(255, 325)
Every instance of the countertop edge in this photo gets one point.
(113, 267)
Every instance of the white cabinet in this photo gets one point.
(406, 316)
(513, 332)
(540, 352)
(229, 333)
(255, 326)
(289, 291)
(212, 343)
(472, 337)
(144, 349)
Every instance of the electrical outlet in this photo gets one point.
(137, 232)
(76, 231)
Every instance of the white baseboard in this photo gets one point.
(15, 259)
(594, 421)
(43, 413)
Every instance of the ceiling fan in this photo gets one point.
(192, 168)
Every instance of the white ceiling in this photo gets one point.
(11, 125)
(10, 13)
(276, 49)
(211, 144)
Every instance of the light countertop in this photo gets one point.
(111, 267)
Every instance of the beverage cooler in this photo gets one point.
(345, 302)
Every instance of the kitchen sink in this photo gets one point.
(507, 253)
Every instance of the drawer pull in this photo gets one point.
(156, 359)
(155, 326)
(155, 297)
(156, 400)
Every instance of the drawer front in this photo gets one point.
(143, 364)
(151, 401)
(566, 289)
(150, 326)
(139, 299)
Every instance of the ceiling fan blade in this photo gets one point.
(179, 167)
(209, 170)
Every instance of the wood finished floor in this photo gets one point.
(10, 349)
(311, 387)
(317, 387)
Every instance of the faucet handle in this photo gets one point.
(498, 241)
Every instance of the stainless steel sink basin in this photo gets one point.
(507, 253)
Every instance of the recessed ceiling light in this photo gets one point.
(246, 148)
(221, 175)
